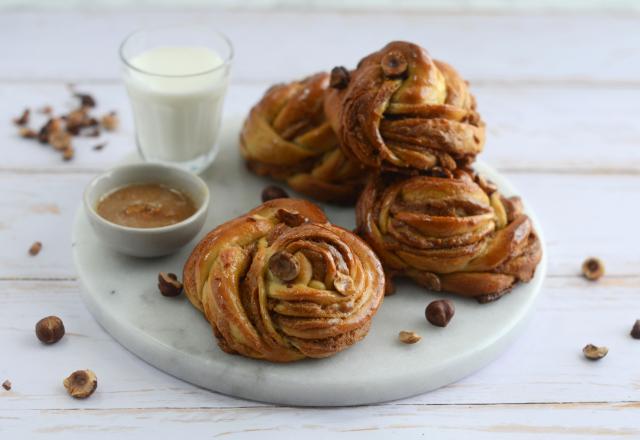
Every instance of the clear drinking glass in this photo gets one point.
(177, 78)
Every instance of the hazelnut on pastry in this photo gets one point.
(287, 137)
(281, 283)
(402, 111)
(449, 233)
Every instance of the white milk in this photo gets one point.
(177, 116)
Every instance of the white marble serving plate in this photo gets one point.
(170, 334)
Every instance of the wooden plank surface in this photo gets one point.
(272, 46)
(544, 128)
(559, 93)
(571, 313)
(483, 422)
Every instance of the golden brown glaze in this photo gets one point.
(402, 111)
(281, 283)
(455, 234)
(286, 136)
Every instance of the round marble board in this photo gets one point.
(173, 336)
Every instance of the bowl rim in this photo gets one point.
(202, 209)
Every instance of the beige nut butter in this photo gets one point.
(148, 205)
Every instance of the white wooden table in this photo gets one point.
(561, 96)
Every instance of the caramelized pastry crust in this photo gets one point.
(402, 111)
(453, 233)
(286, 136)
(281, 283)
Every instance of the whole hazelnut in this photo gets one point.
(592, 269)
(168, 284)
(440, 312)
(6, 385)
(635, 330)
(81, 384)
(273, 192)
(284, 266)
(50, 329)
(339, 78)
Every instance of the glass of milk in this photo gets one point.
(177, 78)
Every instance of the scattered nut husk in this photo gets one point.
(284, 266)
(23, 119)
(593, 352)
(635, 330)
(273, 192)
(99, 147)
(50, 330)
(440, 312)
(593, 268)
(408, 337)
(35, 248)
(68, 153)
(168, 284)
(6, 385)
(86, 100)
(59, 131)
(27, 133)
(81, 384)
(110, 121)
(60, 140)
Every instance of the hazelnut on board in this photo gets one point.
(50, 329)
(440, 312)
(407, 337)
(273, 192)
(81, 384)
(6, 385)
(168, 284)
(592, 268)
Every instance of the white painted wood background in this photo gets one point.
(561, 95)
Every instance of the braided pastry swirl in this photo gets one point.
(454, 234)
(281, 283)
(400, 109)
(286, 136)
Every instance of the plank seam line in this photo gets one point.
(622, 13)
(18, 279)
(260, 406)
(569, 81)
(597, 172)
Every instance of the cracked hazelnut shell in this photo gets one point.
(592, 268)
(81, 384)
(168, 284)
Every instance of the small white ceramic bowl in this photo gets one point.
(147, 242)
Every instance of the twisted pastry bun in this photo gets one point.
(286, 136)
(454, 233)
(281, 283)
(400, 110)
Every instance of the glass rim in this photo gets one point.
(225, 62)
